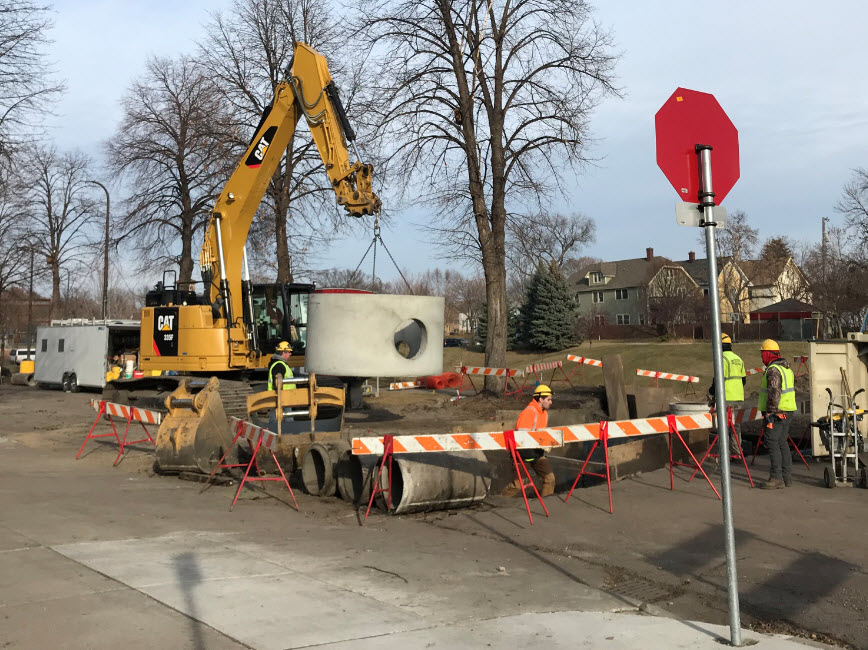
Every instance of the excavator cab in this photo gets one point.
(279, 314)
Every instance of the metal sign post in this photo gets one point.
(687, 118)
(706, 197)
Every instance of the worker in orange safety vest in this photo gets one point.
(533, 418)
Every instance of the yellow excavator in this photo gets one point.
(233, 327)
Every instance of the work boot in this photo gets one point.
(548, 486)
(788, 481)
(510, 491)
(773, 484)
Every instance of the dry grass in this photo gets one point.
(687, 358)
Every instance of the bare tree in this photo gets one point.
(839, 282)
(56, 202)
(473, 103)
(173, 145)
(735, 244)
(548, 238)
(26, 84)
(249, 50)
(854, 204)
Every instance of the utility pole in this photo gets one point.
(824, 220)
(30, 342)
(105, 268)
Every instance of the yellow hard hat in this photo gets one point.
(724, 338)
(770, 345)
(283, 346)
(542, 391)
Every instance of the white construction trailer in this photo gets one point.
(75, 353)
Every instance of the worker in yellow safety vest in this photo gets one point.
(734, 376)
(533, 418)
(777, 401)
(279, 366)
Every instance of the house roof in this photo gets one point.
(788, 305)
(624, 273)
(763, 273)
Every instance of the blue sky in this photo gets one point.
(790, 76)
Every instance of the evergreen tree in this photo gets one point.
(526, 311)
(551, 307)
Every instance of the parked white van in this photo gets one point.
(21, 354)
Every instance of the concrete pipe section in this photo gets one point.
(372, 335)
(318, 467)
(353, 476)
(437, 481)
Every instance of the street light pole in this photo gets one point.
(105, 268)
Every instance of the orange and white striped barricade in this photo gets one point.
(582, 362)
(656, 376)
(404, 385)
(467, 373)
(256, 438)
(731, 415)
(604, 438)
(131, 414)
(754, 371)
(511, 441)
(537, 370)
(640, 427)
(802, 370)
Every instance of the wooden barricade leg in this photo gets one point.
(518, 464)
(518, 389)
(128, 443)
(566, 377)
(604, 438)
(90, 434)
(376, 487)
(673, 430)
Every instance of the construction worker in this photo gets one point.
(534, 417)
(777, 402)
(734, 376)
(280, 366)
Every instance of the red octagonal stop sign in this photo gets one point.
(686, 119)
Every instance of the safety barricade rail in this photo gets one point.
(581, 363)
(671, 376)
(509, 374)
(403, 385)
(112, 411)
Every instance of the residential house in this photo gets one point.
(633, 292)
(775, 280)
(732, 283)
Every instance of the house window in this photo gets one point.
(705, 292)
(599, 319)
(620, 294)
(596, 277)
(623, 319)
(60, 345)
(641, 319)
(598, 296)
(45, 345)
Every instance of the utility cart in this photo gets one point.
(839, 432)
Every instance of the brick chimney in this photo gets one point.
(649, 254)
(691, 256)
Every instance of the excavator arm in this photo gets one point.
(310, 92)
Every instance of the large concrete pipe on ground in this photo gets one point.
(22, 379)
(437, 481)
(372, 335)
(353, 475)
(318, 467)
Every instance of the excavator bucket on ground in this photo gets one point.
(195, 433)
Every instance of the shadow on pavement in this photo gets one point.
(187, 570)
